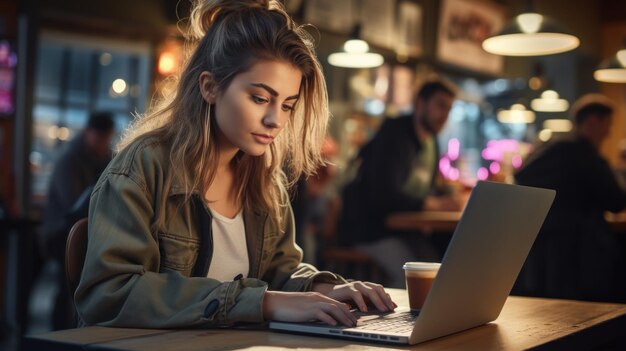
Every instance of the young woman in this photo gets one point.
(190, 225)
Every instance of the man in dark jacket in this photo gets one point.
(576, 256)
(76, 171)
(397, 169)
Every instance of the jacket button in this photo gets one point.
(211, 308)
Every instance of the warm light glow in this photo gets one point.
(167, 63)
(621, 57)
(549, 102)
(517, 114)
(610, 75)
(529, 22)
(365, 60)
(558, 125)
(356, 46)
(355, 55)
(52, 132)
(545, 135)
(533, 44)
(535, 83)
(63, 133)
(119, 86)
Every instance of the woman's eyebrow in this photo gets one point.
(273, 92)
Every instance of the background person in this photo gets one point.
(75, 173)
(397, 170)
(575, 255)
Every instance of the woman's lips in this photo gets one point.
(263, 138)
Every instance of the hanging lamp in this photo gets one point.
(613, 69)
(355, 53)
(549, 102)
(530, 34)
(517, 114)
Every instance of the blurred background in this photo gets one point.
(61, 60)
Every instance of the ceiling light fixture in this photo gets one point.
(549, 102)
(355, 53)
(613, 69)
(530, 34)
(517, 114)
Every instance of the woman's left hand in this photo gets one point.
(360, 293)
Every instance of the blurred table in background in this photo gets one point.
(617, 221)
(424, 221)
(446, 221)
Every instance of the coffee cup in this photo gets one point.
(419, 278)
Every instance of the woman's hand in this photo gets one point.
(360, 293)
(305, 307)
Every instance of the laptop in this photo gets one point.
(484, 257)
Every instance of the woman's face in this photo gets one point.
(256, 106)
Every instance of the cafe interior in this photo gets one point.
(518, 66)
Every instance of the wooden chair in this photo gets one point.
(75, 251)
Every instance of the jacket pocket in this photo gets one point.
(178, 253)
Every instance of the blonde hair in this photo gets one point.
(226, 38)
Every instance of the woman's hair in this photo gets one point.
(226, 38)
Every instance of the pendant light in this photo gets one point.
(517, 114)
(549, 102)
(613, 69)
(355, 53)
(530, 34)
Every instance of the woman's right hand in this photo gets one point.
(306, 307)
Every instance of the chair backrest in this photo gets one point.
(75, 251)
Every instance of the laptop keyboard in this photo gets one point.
(401, 322)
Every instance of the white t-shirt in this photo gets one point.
(230, 250)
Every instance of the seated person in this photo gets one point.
(575, 255)
(396, 172)
(190, 225)
(75, 172)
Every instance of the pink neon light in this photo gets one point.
(444, 165)
(482, 173)
(516, 161)
(494, 167)
(454, 147)
(453, 174)
(492, 154)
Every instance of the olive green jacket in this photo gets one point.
(136, 277)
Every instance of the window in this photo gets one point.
(75, 76)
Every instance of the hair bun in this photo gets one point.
(205, 12)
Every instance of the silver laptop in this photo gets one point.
(484, 257)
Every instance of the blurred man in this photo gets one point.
(75, 172)
(397, 171)
(576, 256)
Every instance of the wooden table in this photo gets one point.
(446, 221)
(424, 221)
(525, 323)
(617, 221)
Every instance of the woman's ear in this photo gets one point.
(207, 87)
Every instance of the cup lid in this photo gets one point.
(421, 266)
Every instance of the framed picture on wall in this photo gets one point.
(463, 25)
